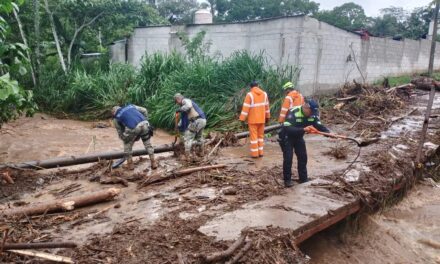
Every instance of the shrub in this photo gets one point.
(217, 85)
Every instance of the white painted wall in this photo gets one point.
(328, 56)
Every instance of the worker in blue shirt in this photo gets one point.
(131, 123)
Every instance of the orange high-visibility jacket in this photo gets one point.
(255, 107)
(292, 99)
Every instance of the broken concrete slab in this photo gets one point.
(301, 205)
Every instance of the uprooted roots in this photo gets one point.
(365, 107)
(376, 187)
(338, 152)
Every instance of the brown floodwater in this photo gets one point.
(43, 137)
(408, 232)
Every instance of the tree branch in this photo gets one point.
(357, 65)
(55, 36)
(23, 37)
(75, 35)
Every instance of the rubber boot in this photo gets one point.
(129, 165)
(153, 162)
(288, 184)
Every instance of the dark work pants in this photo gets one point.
(299, 145)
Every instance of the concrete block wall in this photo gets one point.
(148, 40)
(328, 56)
(117, 51)
(277, 38)
(324, 57)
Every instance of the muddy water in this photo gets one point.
(101, 218)
(43, 137)
(406, 233)
(415, 120)
(319, 164)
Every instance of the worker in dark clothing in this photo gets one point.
(131, 123)
(299, 120)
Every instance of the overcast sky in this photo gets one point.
(372, 7)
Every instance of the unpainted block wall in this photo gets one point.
(328, 56)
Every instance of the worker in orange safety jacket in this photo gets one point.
(293, 98)
(256, 111)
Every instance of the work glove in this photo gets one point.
(311, 130)
(267, 121)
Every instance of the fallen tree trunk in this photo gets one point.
(202, 168)
(266, 129)
(217, 256)
(241, 253)
(425, 83)
(179, 173)
(43, 255)
(8, 246)
(95, 157)
(345, 99)
(75, 160)
(67, 204)
(403, 86)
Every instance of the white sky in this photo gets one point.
(372, 7)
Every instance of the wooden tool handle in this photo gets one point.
(331, 135)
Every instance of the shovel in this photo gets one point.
(176, 128)
(361, 142)
(118, 163)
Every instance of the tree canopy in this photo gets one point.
(349, 16)
(242, 10)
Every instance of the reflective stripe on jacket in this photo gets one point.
(295, 117)
(255, 107)
(294, 98)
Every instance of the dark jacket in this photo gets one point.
(296, 122)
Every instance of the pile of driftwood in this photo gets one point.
(258, 245)
(63, 205)
(362, 100)
(369, 108)
(231, 255)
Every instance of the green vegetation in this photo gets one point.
(55, 33)
(436, 76)
(404, 79)
(397, 80)
(218, 86)
(13, 99)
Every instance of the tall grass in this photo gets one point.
(218, 86)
